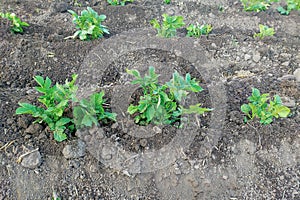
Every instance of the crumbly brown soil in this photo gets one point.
(245, 161)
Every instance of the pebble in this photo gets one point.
(107, 152)
(34, 128)
(287, 77)
(256, 57)
(289, 102)
(157, 130)
(297, 74)
(247, 57)
(23, 122)
(32, 160)
(75, 150)
(143, 142)
(285, 63)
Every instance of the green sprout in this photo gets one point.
(89, 24)
(17, 25)
(263, 108)
(198, 30)
(118, 2)
(291, 5)
(264, 31)
(169, 25)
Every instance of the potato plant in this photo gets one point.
(16, 23)
(159, 104)
(57, 100)
(262, 107)
(89, 24)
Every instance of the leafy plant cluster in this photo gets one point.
(257, 5)
(263, 108)
(16, 23)
(170, 24)
(160, 103)
(57, 100)
(89, 24)
(119, 2)
(264, 31)
(291, 5)
(198, 30)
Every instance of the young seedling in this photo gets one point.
(16, 23)
(91, 110)
(263, 108)
(264, 31)
(291, 5)
(89, 24)
(57, 101)
(160, 103)
(167, 1)
(257, 5)
(198, 30)
(169, 25)
(118, 2)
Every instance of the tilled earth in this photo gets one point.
(216, 156)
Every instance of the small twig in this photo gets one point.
(197, 120)
(25, 154)
(7, 145)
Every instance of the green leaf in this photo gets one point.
(195, 109)
(63, 121)
(245, 108)
(59, 136)
(283, 111)
(132, 109)
(26, 108)
(255, 92)
(134, 73)
(39, 80)
(150, 112)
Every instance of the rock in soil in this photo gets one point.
(297, 74)
(75, 150)
(34, 129)
(32, 160)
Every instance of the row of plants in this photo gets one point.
(262, 5)
(63, 112)
(89, 23)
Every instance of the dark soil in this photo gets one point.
(216, 156)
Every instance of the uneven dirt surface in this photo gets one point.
(215, 156)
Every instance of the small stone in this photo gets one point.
(34, 128)
(213, 45)
(247, 57)
(297, 74)
(115, 126)
(256, 57)
(287, 101)
(157, 130)
(75, 150)
(225, 177)
(286, 64)
(286, 55)
(42, 135)
(27, 137)
(61, 7)
(23, 122)
(287, 77)
(143, 142)
(107, 152)
(93, 168)
(32, 160)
